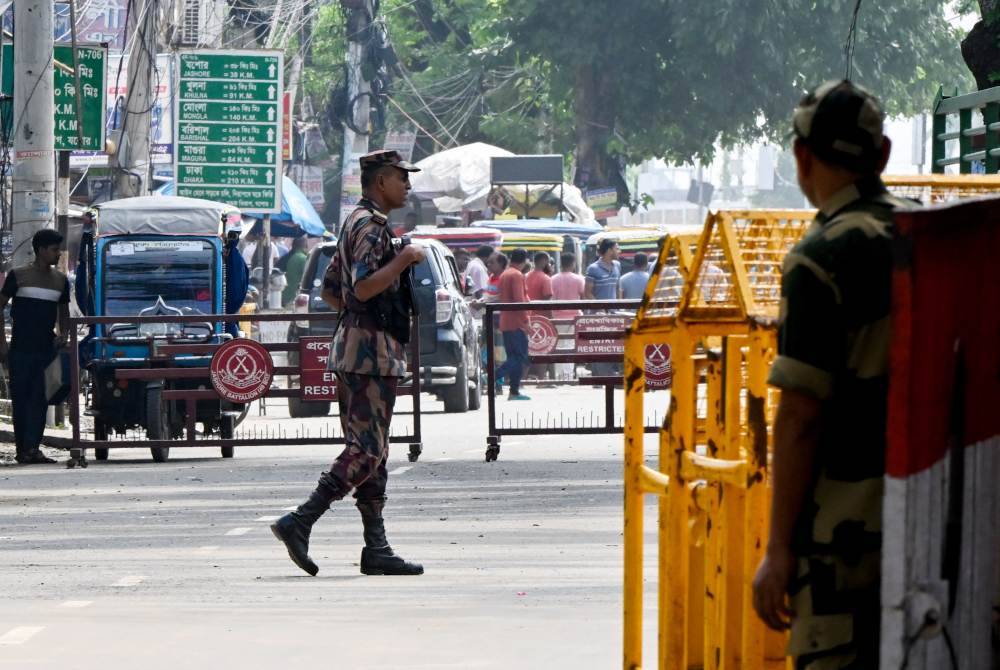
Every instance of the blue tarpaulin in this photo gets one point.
(297, 213)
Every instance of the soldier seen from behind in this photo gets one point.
(821, 572)
(367, 282)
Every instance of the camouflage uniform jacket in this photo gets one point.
(359, 344)
(833, 345)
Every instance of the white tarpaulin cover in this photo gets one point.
(163, 215)
(459, 179)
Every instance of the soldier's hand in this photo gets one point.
(770, 586)
(413, 254)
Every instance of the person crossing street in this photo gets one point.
(514, 325)
(365, 282)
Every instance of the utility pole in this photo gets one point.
(34, 174)
(132, 155)
(359, 19)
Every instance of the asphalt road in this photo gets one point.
(133, 564)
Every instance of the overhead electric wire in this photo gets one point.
(851, 41)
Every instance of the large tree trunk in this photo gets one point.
(981, 48)
(596, 110)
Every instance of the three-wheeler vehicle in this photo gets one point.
(157, 256)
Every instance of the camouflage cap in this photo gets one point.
(386, 158)
(842, 123)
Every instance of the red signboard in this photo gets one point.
(659, 371)
(601, 323)
(542, 335)
(241, 370)
(315, 382)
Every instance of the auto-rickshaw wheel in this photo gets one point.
(157, 423)
(227, 430)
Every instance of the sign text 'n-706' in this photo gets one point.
(79, 115)
(228, 130)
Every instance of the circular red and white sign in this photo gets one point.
(542, 335)
(659, 371)
(241, 370)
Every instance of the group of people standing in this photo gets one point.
(493, 276)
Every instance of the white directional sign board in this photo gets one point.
(228, 129)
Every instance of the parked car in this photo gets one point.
(449, 337)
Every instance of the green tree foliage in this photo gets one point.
(612, 82)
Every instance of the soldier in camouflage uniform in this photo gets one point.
(824, 549)
(368, 359)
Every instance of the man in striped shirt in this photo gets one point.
(41, 297)
(604, 273)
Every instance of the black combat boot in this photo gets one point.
(293, 529)
(377, 558)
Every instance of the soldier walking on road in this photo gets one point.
(824, 549)
(363, 282)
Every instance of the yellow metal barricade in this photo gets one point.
(712, 475)
(717, 310)
(932, 189)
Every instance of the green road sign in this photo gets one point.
(228, 128)
(229, 112)
(241, 154)
(251, 91)
(257, 65)
(92, 61)
(236, 133)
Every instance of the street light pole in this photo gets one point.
(133, 158)
(34, 173)
(359, 102)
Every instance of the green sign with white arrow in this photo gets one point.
(228, 129)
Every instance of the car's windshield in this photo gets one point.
(138, 272)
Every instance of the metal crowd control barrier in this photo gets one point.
(677, 255)
(713, 447)
(564, 426)
(161, 366)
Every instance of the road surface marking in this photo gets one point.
(239, 531)
(400, 470)
(207, 549)
(267, 518)
(290, 509)
(130, 580)
(76, 604)
(20, 635)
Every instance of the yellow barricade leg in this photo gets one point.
(756, 496)
(673, 522)
(634, 433)
(715, 528)
(732, 509)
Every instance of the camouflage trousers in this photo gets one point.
(830, 630)
(366, 403)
